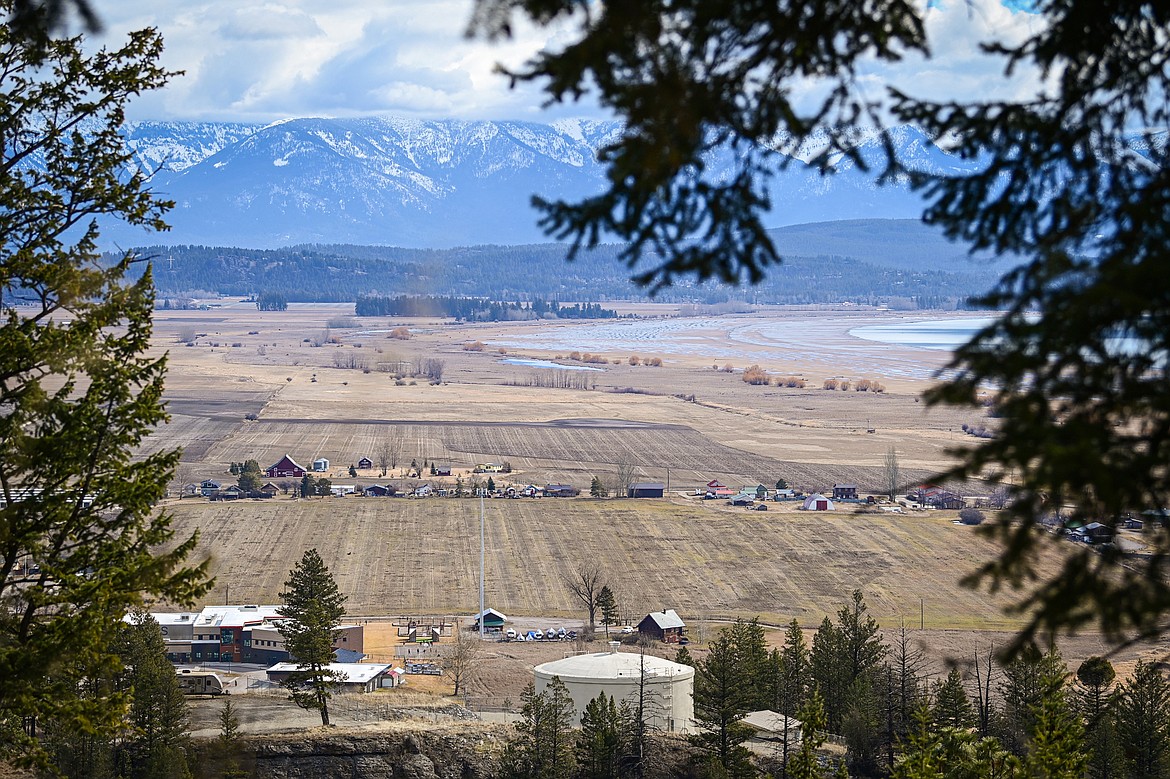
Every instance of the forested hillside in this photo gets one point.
(889, 262)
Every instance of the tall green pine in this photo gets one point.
(1143, 723)
(313, 607)
(723, 695)
(599, 742)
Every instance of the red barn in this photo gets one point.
(285, 468)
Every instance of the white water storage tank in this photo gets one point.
(670, 686)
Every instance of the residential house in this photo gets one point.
(442, 470)
(646, 489)
(381, 491)
(665, 625)
(285, 468)
(937, 497)
(209, 488)
(229, 493)
(845, 492)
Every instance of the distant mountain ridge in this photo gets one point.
(436, 184)
(442, 184)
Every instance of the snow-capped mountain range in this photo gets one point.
(433, 184)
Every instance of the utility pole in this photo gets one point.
(481, 565)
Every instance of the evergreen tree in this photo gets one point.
(723, 695)
(543, 747)
(249, 482)
(1094, 699)
(307, 489)
(844, 658)
(949, 753)
(951, 707)
(323, 488)
(1056, 743)
(156, 746)
(352, 472)
(1027, 682)
(599, 742)
(793, 679)
(901, 687)
(1143, 723)
(82, 540)
(683, 657)
(491, 485)
(607, 604)
(752, 659)
(803, 763)
(313, 608)
(597, 488)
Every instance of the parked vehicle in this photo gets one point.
(193, 682)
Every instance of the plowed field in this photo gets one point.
(395, 556)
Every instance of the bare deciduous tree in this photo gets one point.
(460, 661)
(890, 476)
(625, 476)
(585, 583)
(389, 450)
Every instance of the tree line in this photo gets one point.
(339, 273)
(476, 309)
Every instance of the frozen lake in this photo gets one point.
(879, 344)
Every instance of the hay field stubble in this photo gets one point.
(400, 556)
(420, 556)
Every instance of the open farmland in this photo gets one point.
(422, 556)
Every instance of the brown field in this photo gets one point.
(400, 556)
(683, 423)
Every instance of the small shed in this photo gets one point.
(817, 502)
(665, 625)
(365, 463)
(320, 465)
(270, 489)
(646, 489)
(442, 470)
(493, 621)
(844, 492)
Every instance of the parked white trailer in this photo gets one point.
(200, 682)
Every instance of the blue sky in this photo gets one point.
(264, 61)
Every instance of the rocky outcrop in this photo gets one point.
(458, 751)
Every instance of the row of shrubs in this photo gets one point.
(861, 385)
(757, 375)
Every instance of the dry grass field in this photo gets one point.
(245, 384)
(400, 556)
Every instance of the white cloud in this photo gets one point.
(261, 61)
